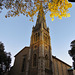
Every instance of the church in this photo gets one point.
(37, 59)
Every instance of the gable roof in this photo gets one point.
(61, 61)
(52, 56)
(22, 50)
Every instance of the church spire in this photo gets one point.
(41, 22)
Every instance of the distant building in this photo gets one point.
(37, 59)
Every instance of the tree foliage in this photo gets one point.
(58, 8)
(5, 59)
(72, 51)
(73, 44)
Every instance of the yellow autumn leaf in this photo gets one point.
(55, 14)
(24, 10)
(66, 7)
(52, 19)
(69, 5)
(30, 20)
(60, 17)
(51, 15)
(68, 15)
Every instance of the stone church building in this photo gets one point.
(37, 59)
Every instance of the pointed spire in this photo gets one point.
(41, 18)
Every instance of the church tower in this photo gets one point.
(37, 59)
(41, 56)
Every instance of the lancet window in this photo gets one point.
(45, 38)
(46, 61)
(34, 60)
(24, 63)
(36, 37)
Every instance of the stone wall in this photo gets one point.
(60, 67)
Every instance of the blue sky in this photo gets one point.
(15, 33)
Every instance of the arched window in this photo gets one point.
(34, 60)
(46, 57)
(23, 63)
(46, 39)
(46, 61)
(36, 36)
